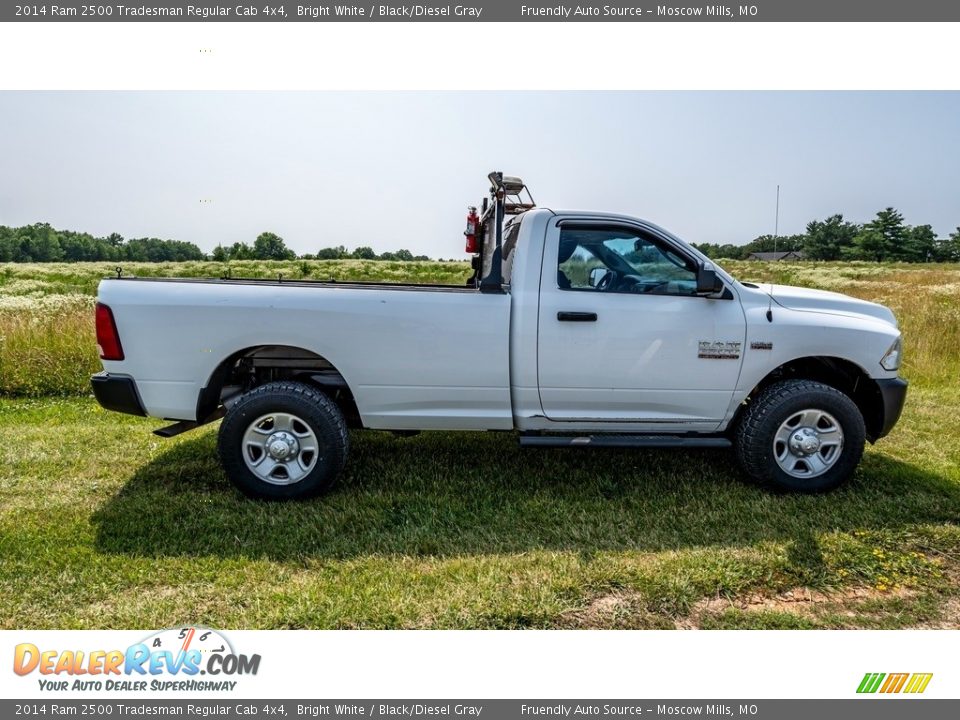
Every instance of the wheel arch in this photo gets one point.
(256, 365)
(840, 373)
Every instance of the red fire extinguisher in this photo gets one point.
(473, 221)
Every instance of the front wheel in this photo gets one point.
(800, 435)
(283, 441)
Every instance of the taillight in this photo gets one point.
(108, 339)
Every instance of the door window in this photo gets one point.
(622, 261)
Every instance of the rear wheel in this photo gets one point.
(283, 440)
(800, 435)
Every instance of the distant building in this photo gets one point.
(776, 256)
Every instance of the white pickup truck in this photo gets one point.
(578, 329)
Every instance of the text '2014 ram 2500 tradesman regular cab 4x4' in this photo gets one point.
(576, 329)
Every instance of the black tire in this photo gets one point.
(313, 409)
(774, 405)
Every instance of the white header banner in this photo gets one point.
(442, 56)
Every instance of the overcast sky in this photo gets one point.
(397, 170)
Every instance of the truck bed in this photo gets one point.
(406, 351)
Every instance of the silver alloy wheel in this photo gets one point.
(280, 448)
(808, 443)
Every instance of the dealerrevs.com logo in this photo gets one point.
(178, 659)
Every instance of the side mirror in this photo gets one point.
(596, 275)
(708, 282)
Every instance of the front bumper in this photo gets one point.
(117, 393)
(893, 393)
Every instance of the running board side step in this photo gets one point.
(178, 428)
(624, 441)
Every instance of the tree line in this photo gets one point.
(269, 246)
(42, 243)
(885, 238)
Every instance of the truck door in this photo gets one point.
(623, 336)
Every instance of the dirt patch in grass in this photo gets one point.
(621, 609)
(950, 618)
(802, 602)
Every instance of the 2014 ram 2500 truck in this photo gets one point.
(577, 329)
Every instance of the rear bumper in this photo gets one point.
(893, 393)
(117, 393)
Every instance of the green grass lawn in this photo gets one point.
(106, 525)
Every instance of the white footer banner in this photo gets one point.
(194, 662)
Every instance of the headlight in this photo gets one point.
(891, 360)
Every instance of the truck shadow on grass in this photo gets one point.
(449, 494)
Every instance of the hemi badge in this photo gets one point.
(761, 346)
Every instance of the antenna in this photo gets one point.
(776, 231)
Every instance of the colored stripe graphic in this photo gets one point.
(870, 682)
(894, 683)
(918, 683)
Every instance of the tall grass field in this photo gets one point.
(102, 524)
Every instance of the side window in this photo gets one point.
(622, 261)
